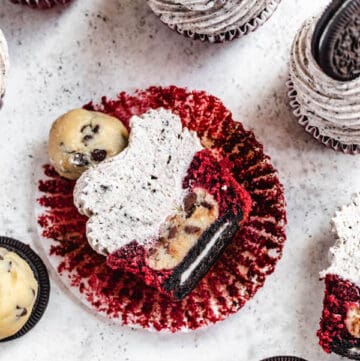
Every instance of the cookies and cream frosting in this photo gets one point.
(209, 17)
(345, 254)
(4, 63)
(129, 196)
(329, 105)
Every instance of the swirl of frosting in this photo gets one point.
(211, 17)
(4, 63)
(331, 106)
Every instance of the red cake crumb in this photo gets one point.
(235, 277)
(333, 335)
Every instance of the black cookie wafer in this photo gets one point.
(284, 358)
(41, 276)
(335, 44)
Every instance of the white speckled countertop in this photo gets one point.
(65, 57)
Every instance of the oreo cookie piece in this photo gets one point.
(335, 44)
(42, 278)
(284, 358)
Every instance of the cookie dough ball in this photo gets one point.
(18, 292)
(80, 139)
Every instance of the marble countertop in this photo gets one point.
(61, 59)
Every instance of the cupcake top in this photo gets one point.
(206, 17)
(345, 254)
(18, 290)
(4, 63)
(330, 105)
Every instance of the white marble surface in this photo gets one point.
(62, 59)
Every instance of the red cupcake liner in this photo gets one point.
(333, 335)
(236, 276)
(41, 4)
(314, 131)
(239, 32)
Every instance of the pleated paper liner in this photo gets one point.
(239, 32)
(41, 276)
(233, 279)
(41, 4)
(314, 131)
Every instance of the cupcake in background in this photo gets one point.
(215, 21)
(24, 289)
(4, 64)
(41, 4)
(324, 85)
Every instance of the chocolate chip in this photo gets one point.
(172, 232)
(33, 292)
(23, 311)
(96, 128)
(98, 155)
(153, 177)
(189, 203)
(1, 257)
(104, 188)
(192, 229)
(169, 160)
(79, 159)
(206, 205)
(84, 128)
(86, 138)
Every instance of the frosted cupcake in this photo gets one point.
(213, 21)
(324, 79)
(4, 64)
(40, 4)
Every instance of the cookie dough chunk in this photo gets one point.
(18, 292)
(80, 139)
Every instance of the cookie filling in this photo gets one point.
(130, 196)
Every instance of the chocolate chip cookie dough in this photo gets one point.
(18, 290)
(80, 139)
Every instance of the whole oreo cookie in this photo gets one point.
(284, 358)
(41, 276)
(335, 43)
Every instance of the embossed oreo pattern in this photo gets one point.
(41, 4)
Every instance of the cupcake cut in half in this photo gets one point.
(162, 209)
(340, 323)
(324, 85)
(214, 21)
(183, 241)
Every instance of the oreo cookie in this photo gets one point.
(335, 44)
(42, 277)
(284, 358)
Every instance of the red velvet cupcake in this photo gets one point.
(120, 289)
(340, 323)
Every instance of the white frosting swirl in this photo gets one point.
(212, 17)
(345, 254)
(331, 106)
(4, 63)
